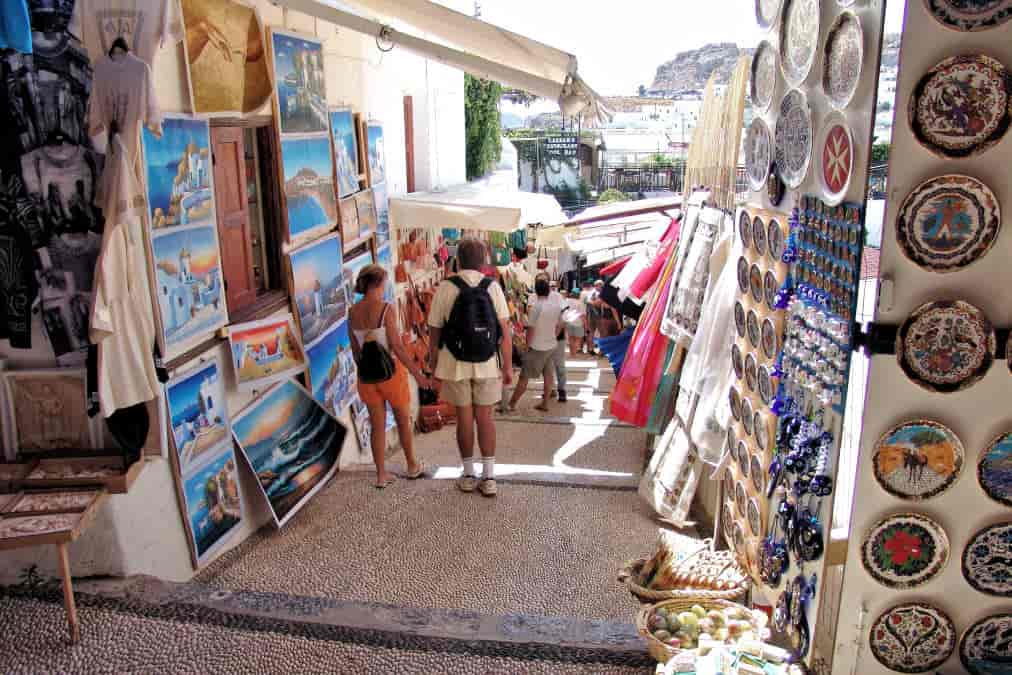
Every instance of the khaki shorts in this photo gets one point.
(464, 393)
(536, 362)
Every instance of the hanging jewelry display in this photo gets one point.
(828, 241)
(815, 357)
(905, 550)
(799, 39)
(767, 12)
(986, 560)
(793, 137)
(986, 646)
(970, 16)
(835, 149)
(763, 80)
(912, 638)
(758, 150)
(994, 470)
(948, 222)
(844, 57)
(946, 346)
(917, 460)
(960, 107)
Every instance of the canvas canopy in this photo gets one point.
(474, 207)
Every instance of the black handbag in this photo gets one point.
(375, 363)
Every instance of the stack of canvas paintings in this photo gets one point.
(264, 352)
(385, 259)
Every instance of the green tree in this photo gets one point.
(481, 125)
(880, 152)
(612, 195)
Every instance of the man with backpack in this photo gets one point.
(470, 353)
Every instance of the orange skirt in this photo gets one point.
(394, 391)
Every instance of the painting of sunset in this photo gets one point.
(291, 444)
(318, 293)
(265, 351)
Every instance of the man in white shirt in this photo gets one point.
(545, 322)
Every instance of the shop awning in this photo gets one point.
(476, 47)
(473, 207)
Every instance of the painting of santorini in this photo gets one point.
(188, 284)
(351, 269)
(264, 352)
(197, 412)
(298, 74)
(376, 153)
(291, 443)
(332, 372)
(385, 259)
(178, 171)
(342, 131)
(318, 292)
(309, 186)
(382, 204)
(213, 504)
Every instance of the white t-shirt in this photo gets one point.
(544, 319)
(145, 25)
(122, 91)
(449, 368)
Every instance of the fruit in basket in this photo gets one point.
(662, 635)
(674, 643)
(674, 625)
(717, 617)
(658, 622)
(721, 634)
(698, 611)
(706, 625)
(688, 620)
(661, 611)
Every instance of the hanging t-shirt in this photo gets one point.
(15, 26)
(123, 92)
(145, 25)
(62, 180)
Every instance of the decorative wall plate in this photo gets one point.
(752, 328)
(732, 438)
(767, 12)
(743, 272)
(751, 375)
(946, 346)
(763, 82)
(765, 386)
(740, 498)
(792, 142)
(728, 484)
(755, 282)
(761, 433)
(970, 15)
(799, 39)
(986, 646)
(739, 538)
(835, 154)
(736, 361)
(960, 107)
(758, 149)
(739, 318)
(745, 230)
(743, 458)
(727, 523)
(759, 235)
(844, 57)
(771, 286)
(905, 550)
(746, 415)
(948, 222)
(734, 401)
(774, 185)
(754, 518)
(986, 560)
(917, 460)
(756, 471)
(769, 339)
(994, 470)
(912, 638)
(774, 241)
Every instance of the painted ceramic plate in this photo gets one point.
(761, 433)
(740, 498)
(767, 12)
(727, 523)
(799, 39)
(736, 361)
(759, 235)
(771, 286)
(734, 400)
(905, 550)
(754, 518)
(756, 471)
(739, 318)
(745, 230)
(743, 458)
(769, 339)
(746, 414)
(970, 15)
(844, 56)
(774, 186)
(758, 153)
(743, 271)
(986, 646)
(728, 484)
(946, 346)
(752, 328)
(763, 81)
(792, 143)
(960, 107)
(917, 460)
(739, 538)
(732, 438)
(751, 375)
(987, 560)
(765, 386)
(912, 638)
(835, 151)
(948, 222)
(755, 282)
(994, 470)
(774, 241)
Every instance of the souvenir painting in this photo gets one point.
(905, 550)
(986, 560)
(793, 138)
(912, 638)
(970, 15)
(752, 328)
(799, 39)
(332, 371)
(960, 107)
(767, 12)
(213, 504)
(352, 267)
(739, 318)
(758, 150)
(755, 283)
(179, 173)
(291, 443)
(365, 208)
(381, 203)
(759, 235)
(763, 81)
(917, 460)
(300, 82)
(835, 158)
(376, 152)
(743, 272)
(198, 413)
(754, 518)
(318, 287)
(946, 346)
(994, 470)
(48, 410)
(948, 222)
(345, 140)
(844, 56)
(385, 259)
(265, 352)
(986, 646)
(311, 205)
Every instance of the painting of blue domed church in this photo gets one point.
(178, 173)
(197, 412)
(188, 284)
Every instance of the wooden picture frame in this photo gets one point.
(363, 153)
(210, 503)
(23, 406)
(107, 471)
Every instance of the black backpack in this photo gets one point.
(375, 364)
(472, 333)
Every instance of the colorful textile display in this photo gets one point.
(614, 348)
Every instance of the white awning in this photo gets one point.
(472, 207)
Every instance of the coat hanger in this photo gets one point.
(120, 45)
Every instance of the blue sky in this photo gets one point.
(184, 393)
(176, 134)
(312, 152)
(195, 483)
(321, 354)
(200, 242)
(341, 125)
(317, 261)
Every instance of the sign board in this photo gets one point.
(561, 145)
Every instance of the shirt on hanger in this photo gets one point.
(15, 26)
(145, 25)
(62, 180)
(123, 92)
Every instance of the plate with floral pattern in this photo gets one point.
(763, 82)
(756, 471)
(912, 638)
(844, 57)
(905, 550)
(767, 12)
(917, 459)
(948, 222)
(986, 646)
(743, 273)
(754, 518)
(739, 318)
(946, 346)
(799, 39)
(758, 148)
(970, 15)
(994, 469)
(960, 107)
(752, 328)
(759, 235)
(987, 560)
(793, 137)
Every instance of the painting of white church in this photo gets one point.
(197, 412)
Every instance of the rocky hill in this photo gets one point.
(690, 70)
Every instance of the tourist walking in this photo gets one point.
(595, 312)
(470, 352)
(383, 367)
(544, 321)
(574, 317)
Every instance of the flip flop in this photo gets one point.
(382, 486)
(423, 472)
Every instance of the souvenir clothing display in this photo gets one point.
(144, 26)
(15, 26)
(692, 274)
(18, 284)
(123, 99)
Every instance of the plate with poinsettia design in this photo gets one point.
(912, 638)
(905, 550)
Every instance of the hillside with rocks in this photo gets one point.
(690, 70)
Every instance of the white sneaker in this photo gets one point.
(487, 487)
(467, 483)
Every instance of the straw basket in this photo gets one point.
(702, 562)
(661, 652)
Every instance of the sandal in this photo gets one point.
(423, 472)
(542, 407)
(385, 484)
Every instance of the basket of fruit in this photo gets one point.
(673, 626)
(669, 574)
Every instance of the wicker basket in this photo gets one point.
(661, 652)
(703, 560)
